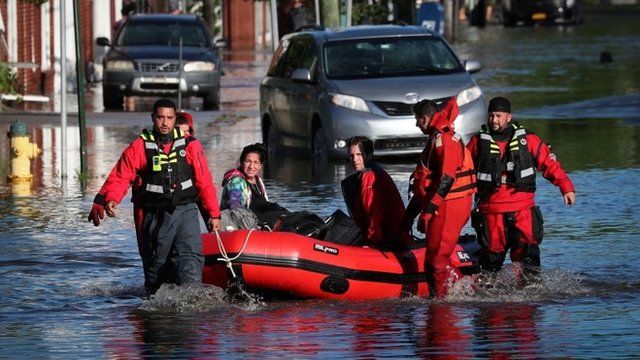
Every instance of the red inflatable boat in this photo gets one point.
(292, 264)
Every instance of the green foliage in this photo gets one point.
(8, 80)
(363, 13)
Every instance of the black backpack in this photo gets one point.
(269, 213)
(303, 223)
(341, 229)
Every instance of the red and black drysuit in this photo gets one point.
(507, 217)
(170, 176)
(443, 185)
(377, 208)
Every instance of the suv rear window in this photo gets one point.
(389, 57)
(162, 33)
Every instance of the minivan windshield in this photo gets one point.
(389, 57)
(162, 33)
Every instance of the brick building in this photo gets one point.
(30, 43)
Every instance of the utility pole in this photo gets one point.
(63, 90)
(450, 20)
(80, 85)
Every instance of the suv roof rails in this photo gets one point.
(309, 27)
(398, 22)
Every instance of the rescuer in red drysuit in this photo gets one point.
(443, 185)
(505, 157)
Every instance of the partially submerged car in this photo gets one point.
(552, 12)
(324, 86)
(146, 59)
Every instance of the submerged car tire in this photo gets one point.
(320, 148)
(112, 100)
(211, 101)
(508, 19)
(477, 14)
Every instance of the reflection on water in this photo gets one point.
(72, 290)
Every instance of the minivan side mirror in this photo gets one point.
(221, 43)
(472, 66)
(302, 75)
(103, 41)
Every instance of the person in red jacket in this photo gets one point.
(173, 177)
(443, 186)
(505, 157)
(373, 199)
(184, 121)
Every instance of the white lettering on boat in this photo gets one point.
(325, 249)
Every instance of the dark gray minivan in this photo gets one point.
(145, 59)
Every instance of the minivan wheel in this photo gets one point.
(211, 101)
(320, 148)
(112, 100)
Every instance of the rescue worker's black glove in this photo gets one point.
(413, 210)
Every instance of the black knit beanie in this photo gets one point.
(500, 103)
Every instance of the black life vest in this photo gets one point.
(517, 163)
(168, 179)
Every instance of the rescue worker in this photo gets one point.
(373, 199)
(442, 184)
(184, 121)
(505, 156)
(174, 176)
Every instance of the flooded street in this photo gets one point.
(72, 290)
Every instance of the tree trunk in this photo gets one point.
(209, 14)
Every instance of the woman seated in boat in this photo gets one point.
(243, 189)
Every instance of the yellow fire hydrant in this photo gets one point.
(22, 151)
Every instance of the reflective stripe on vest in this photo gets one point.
(186, 184)
(155, 188)
(484, 176)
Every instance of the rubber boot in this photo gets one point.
(530, 263)
(491, 261)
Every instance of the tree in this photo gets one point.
(209, 14)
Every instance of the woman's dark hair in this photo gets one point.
(424, 107)
(257, 148)
(364, 143)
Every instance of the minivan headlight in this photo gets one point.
(468, 95)
(199, 66)
(349, 102)
(119, 65)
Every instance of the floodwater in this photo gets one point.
(71, 290)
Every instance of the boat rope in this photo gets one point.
(223, 251)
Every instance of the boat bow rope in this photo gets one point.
(223, 251)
